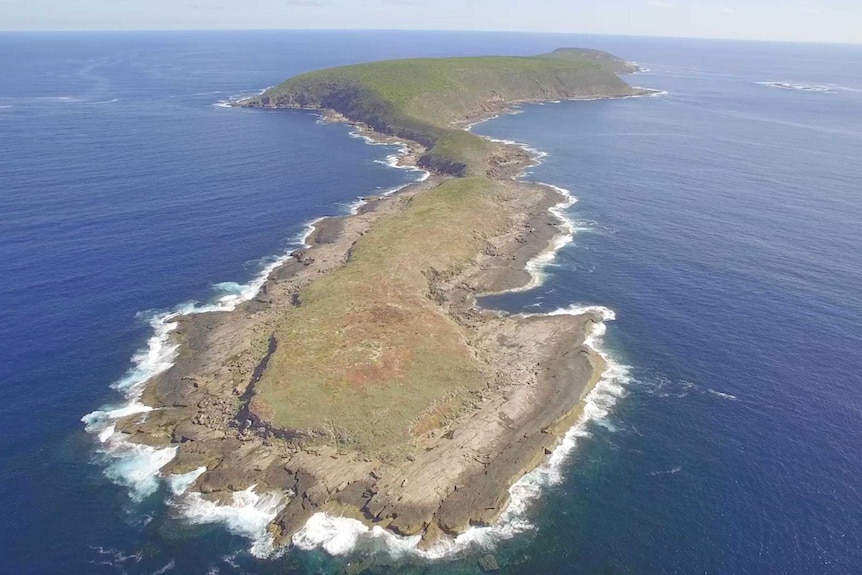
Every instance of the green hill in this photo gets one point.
(419, 99)
(368, 348)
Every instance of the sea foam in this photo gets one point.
(137, 466)
(797, 87)
(247, 514)
(538, 265)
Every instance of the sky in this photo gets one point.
(792, 20)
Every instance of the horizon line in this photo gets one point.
(433, 30)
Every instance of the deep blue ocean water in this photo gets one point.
(721, 222)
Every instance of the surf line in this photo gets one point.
(341, 535)
(138, 466)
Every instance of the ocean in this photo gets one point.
(719, 221)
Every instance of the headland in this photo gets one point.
(362, 379)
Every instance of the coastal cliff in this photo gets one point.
(363, 380)
(424, 100)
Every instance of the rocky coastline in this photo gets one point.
(535, 371)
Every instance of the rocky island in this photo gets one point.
(363, 379)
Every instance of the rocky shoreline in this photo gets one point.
(538, 370)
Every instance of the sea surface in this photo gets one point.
(721, 222)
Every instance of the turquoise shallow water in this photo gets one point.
(720, 222)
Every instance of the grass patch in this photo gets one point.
(368, 352)
(369, 359)
(418, 99)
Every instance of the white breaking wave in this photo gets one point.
(134, 465)
(59, 98)
(513, 111)
(234, 100)
(180, 483)
(538, 155)
(804, 87)
(469, 127)
(797, 87)
(354, 207)
(307, 230)
(248, 514)
(393, 160)
(137, 466)
(539, 264)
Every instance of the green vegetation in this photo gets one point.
(419, 99)
(367, 358)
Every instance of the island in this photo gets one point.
(363, 379)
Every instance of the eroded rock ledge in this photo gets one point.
(528, 378)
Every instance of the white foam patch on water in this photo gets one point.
(235, 100)
(59, 98)
(354, 207)
(307, 230)
(169, 566)
(797, 87)
(672, 471)
(396, 189)
(135, 465)
(179, 483)
(802, 87)
(394, 160)
(722, 395)
(335, 535)
(538, 155)
(341, 535)
(247, 514)
(538, 265)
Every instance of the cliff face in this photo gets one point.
(421, 99)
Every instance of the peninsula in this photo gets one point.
(363, 379)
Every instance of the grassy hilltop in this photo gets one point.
(367, 356)
(419, 99)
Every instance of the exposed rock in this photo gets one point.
(488, 564)
(453, 476)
